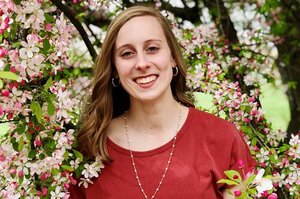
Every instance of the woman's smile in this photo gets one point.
(146, 81)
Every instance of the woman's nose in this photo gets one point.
(141, 62)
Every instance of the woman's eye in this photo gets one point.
(152, 49)
(126, 54)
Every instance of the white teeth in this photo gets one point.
(146, 80)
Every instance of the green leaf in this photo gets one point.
(254, 141)
(252, 191)
(49, 147)
(247, 130)
(50, 107)
(250, 179)
(33, 106)
(49, 18)
(21, 143)
(17, 2)
(46, 44)
(28, 136)
(231, 173)
(48, 84)
(41, 156)
(15, 145)
(21, 129)
(21, 179)
(78, 155)
(8, 75)
(36, 110)
(1, 84)
(68, 168)
(55, 172)
(32, 154)
(228, 182)
(284, 148)
(66, 155)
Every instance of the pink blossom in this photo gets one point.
(241, 164)
(44, 176)
(2, 158)
(37, 142)
(13, 171)
(18, 105)
(273, 196)
(255, 148)
(48, 27)
(33, 39)
(1, 111)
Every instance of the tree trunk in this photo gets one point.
(290, 73)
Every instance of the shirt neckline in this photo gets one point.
(157, 150)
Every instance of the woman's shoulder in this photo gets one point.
(206, 118)
(211, 125)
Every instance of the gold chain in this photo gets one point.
(168, 163)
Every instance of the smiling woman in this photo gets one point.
(141, 123)
(143, 60)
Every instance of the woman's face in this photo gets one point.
(143, 59)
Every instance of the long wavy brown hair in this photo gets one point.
(107, 102)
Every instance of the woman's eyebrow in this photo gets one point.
(122, 46)
(129, 45)
(153, 40)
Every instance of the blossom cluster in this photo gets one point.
(234, 80)
(39, 98)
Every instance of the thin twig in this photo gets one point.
(77, 25)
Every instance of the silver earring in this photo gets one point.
(114, 83)
(175, 71)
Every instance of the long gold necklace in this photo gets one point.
(168, 163)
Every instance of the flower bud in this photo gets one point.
(237, 193)
(44, 191)
(67, 185)
(5, 93)
(3, 52)
(273, 196)
(1, 111)
(20, 174)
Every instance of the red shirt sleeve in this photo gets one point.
(241, 159)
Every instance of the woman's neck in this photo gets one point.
(153, 116)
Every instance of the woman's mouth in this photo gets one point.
(146, 80)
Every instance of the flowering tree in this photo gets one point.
(45, 72)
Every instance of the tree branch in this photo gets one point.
(77, 25)
(185, 13)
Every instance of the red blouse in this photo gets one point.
(206, 146)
